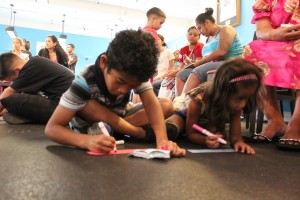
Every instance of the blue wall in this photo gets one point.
(245, 29)
(85, 46)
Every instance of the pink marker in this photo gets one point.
(206, 132)
(105, 132)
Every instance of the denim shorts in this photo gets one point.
(184, 73)
(200, 71)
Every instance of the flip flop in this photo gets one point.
(254, 139)
(289, 144)
(266, 138)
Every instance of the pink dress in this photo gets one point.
(280, 60)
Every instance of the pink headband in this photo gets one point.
(244, 77)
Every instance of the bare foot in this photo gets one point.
(275, 128)
(293, 129)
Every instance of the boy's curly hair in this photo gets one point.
(134, 53)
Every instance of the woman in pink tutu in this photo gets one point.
(277, 52)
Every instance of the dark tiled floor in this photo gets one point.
(32, 167)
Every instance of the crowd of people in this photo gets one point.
(172, 86)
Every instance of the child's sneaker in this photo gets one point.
(95, 129)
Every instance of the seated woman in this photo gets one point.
(187, 56)
(54, 51)
(222, 43)
(277, 52)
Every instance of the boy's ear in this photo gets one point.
(103, 62)
(152, 17)
(16, 69)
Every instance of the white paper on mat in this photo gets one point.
(211, 150)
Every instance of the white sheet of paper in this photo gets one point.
(211, 150)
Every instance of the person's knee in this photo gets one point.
(33, 107)
(167, 106)
(13, 103)
(178, 121)
(10, 100)
(181, 75)
(194, 76)
(200, 74)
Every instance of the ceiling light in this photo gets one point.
(11, 29)
(62, 37)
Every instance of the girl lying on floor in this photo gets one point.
(235, 89)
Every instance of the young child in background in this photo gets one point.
(26, 47)
(165, 64)
(101, 93)
(234, 89)
(155, 19)
(17, 49)
(176, 58)
(187, 54)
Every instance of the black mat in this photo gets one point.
(32, 167)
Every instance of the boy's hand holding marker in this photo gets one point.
(105, 132)
(102, 142)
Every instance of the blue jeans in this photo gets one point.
(156, 86)
(200, 71)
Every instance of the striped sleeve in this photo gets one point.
(143, 87)
(76, 96)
